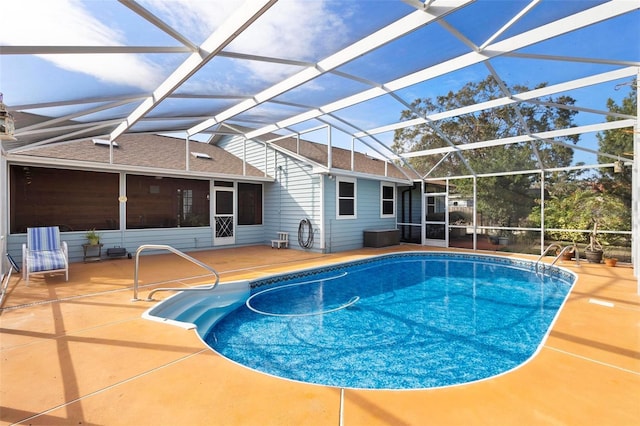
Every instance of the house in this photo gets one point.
(152, 189)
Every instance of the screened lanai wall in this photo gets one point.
(378, 73)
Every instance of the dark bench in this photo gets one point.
(381, 237)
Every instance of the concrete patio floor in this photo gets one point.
(78, 352)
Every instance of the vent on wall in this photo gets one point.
(201, 155)
(104, 142)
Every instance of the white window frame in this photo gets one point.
(355, 198)
(382, 200)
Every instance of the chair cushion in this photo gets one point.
(43, 238)
(39, 261)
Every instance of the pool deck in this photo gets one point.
(78, 352)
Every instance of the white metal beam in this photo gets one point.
(65, 128)
(80, 50)
(25, 130)
(95, 126)
(520, 97)
(524, 138)
(386, 157)
(635, 189)
(227, 32)
(91, 100)
(528, 38)
(582, 109)
(379, 38)
(570, 23)
(602, 61)
(131, 4)
(415, 3)
(509, 24)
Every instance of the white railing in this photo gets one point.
(179, 253)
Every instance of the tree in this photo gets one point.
(586, 208)
(618, 142)
(503, 200)
(603, 200)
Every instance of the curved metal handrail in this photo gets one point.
(573, 248)
(179, 253)
(562, 250)
(544, 253)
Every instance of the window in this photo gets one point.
(162, 202)
(387, 200)
(187, 202)
(249, 204)
(74, 200)
(346, 202)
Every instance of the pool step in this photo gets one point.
(201, 309)
(211, 316)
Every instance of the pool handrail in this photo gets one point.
(562, 251)
(179, 253)
(573, 248)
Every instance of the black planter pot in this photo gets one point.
(593, 256)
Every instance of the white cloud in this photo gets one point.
(68, 23)
(293, 29)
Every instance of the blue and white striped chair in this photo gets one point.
(44, 253)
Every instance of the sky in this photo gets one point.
(302, 30)
(106, 23)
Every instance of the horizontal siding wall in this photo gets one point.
(253, 152)
(183, 239)
(249, 235)
(295, 194)
(347, 234)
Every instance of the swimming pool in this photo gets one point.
(400, 321)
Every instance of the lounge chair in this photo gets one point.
(44, 253)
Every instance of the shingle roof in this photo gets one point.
(147, 150)
(168, 153)
(341, 158)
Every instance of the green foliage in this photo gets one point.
(495, 123)
(603, 204)
(618, 142)
(92, 236)
(503, 200)
(584, 208)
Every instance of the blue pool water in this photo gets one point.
(402, 321)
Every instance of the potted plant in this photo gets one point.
(594, 251)
(610, 259)
(93, 237)
(588, 208)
